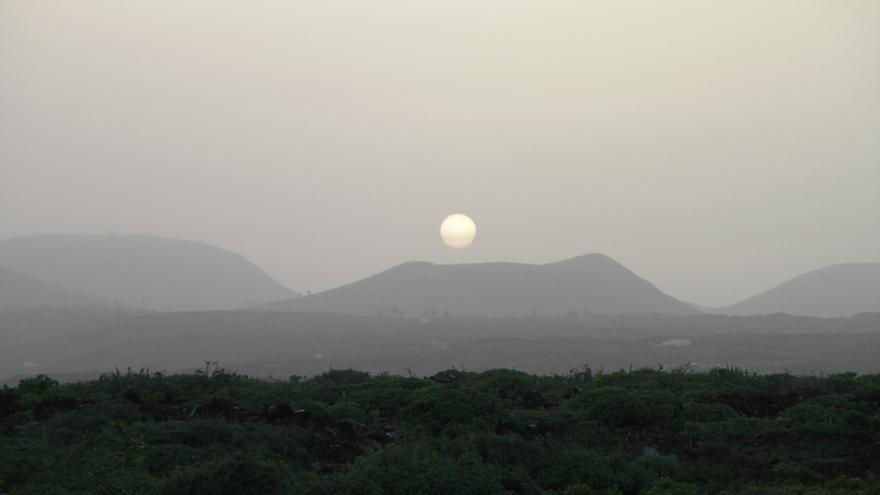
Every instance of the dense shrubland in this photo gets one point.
(501, 431)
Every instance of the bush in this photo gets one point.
(345, 432)
(227, 477)
(624, 407)
(408, 469)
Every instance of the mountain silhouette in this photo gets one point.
(839, 290)
(143, 271)
(591, 283)
(17, 290)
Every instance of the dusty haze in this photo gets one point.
(714, 148)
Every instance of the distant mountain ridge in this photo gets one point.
(840, 290)
(593, 283)
(143, 271)
(21, 291)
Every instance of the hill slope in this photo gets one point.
(17, 290)
(837, 290)
(152, 272)
(592, 282)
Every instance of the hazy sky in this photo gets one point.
(715, 148)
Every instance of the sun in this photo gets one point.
(458, 231)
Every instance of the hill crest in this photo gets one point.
(588, 283)
(143, 271)
(839, 290)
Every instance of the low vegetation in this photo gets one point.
(501, 431)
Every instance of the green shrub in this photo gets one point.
(241, 476)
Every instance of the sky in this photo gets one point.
(714, 148)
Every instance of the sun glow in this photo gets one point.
(458, 231)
